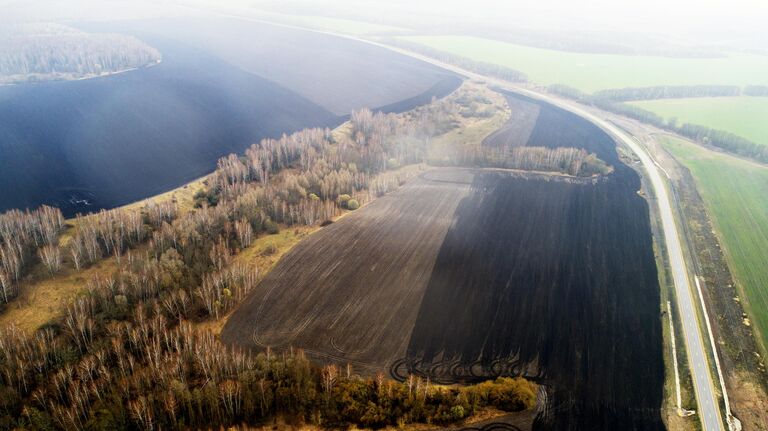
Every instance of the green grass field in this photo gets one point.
(743, 116)
(592, 72)
(734, 192)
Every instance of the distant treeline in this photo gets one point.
(677, 92)
(48, 51)
(480, 67)
(668, 92)
(716, 138)
(565, 160)
(756, 90)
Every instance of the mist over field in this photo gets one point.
(737, 24)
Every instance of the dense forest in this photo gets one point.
(128, 353)
(38, 52)
(717, 138)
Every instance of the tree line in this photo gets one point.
(668, 92)
(566, 160)
(717, 138)
(153, 375)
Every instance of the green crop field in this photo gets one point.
(743, 116)
(592, 72)
(734, 192)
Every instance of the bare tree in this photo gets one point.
(50, 255)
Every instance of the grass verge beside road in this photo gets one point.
(734, 193)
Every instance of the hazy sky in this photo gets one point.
(705, 20)
(672, 15)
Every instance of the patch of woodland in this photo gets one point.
(45, 51)
(565, 160)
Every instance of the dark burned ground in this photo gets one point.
(464, 279)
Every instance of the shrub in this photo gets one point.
(269, 250)
(504, 393)
(343, 199)
(353, 204)
(206, 196)
(271, 227)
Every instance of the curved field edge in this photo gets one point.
(734, 193)
(46, 296)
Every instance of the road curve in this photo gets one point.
(706, 397)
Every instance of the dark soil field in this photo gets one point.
(336, 73)
(222, 85)
(103, 142)
(466, 275)
(331, 297)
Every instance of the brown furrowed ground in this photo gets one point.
(517, 130)
(351, 292)
(465, 275)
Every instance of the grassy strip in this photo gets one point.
(743, 116)
(734, 193)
